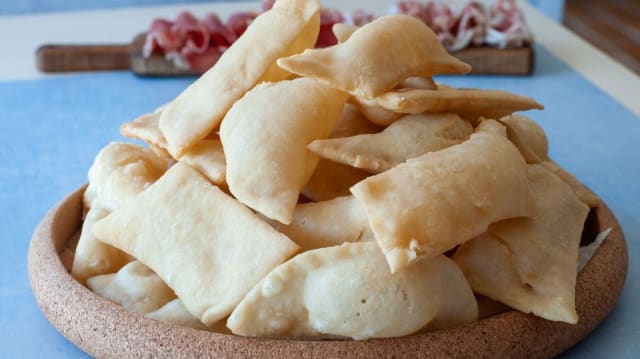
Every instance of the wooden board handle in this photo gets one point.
(65, 58)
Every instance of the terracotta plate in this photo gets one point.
(104, 330)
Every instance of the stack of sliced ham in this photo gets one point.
(507, 27)
(192, 43)
(500, 25)
(196, 44)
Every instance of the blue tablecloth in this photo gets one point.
(51, 129)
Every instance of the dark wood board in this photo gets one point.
(69, 58)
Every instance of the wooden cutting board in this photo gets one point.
(54, 58)
(69, 58)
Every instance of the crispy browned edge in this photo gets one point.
(105, 330)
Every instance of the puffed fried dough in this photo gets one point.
(532, 143)
(92, 257)
(531, 263)
(409, 137)
(377, 57)
(353, 122)
(383, 117)
(174, 312)
(119, 172)
(210, 249)
(583, 192)
(331, 179)
(374, 112)
(416, 82)
(528, 137)
(147, 129)
(468, 103)
(327, 223)
(369, 107)
(348, 291)
(343, 31)
(135, 287)
(207, 157)
(432, 203)
(288, 28)
(265, 137)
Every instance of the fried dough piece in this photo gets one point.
(332, 179)
(410, 137)
(468, 103)
(370, 108)
(207, 157)
(432, 203)
(416, 82)
(342, 31)
(327, 223)
(348, 291)
(288, 28)
(210, 249)
(380, 115)
(119, 172)
(531, 263)
(353, 122)
(92, 257)
(147, 129)
(265, 137)
(135, 287)
(587, 196)
(377, 57)
(528, 136)
(374, 112)
(174, 312)
(533, 145)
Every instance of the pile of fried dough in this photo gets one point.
(332, 193)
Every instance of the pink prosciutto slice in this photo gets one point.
(194, 33)
(197, 44)
(161, 37)
(328, 18)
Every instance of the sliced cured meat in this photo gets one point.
(194, 34)
(161, 38)
(221, 35)
(239, 22)
(197, 44)
(328, 18)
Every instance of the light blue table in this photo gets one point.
(51, 129)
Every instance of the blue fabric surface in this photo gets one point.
(50, 131)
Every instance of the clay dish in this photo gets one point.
(103, 329)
